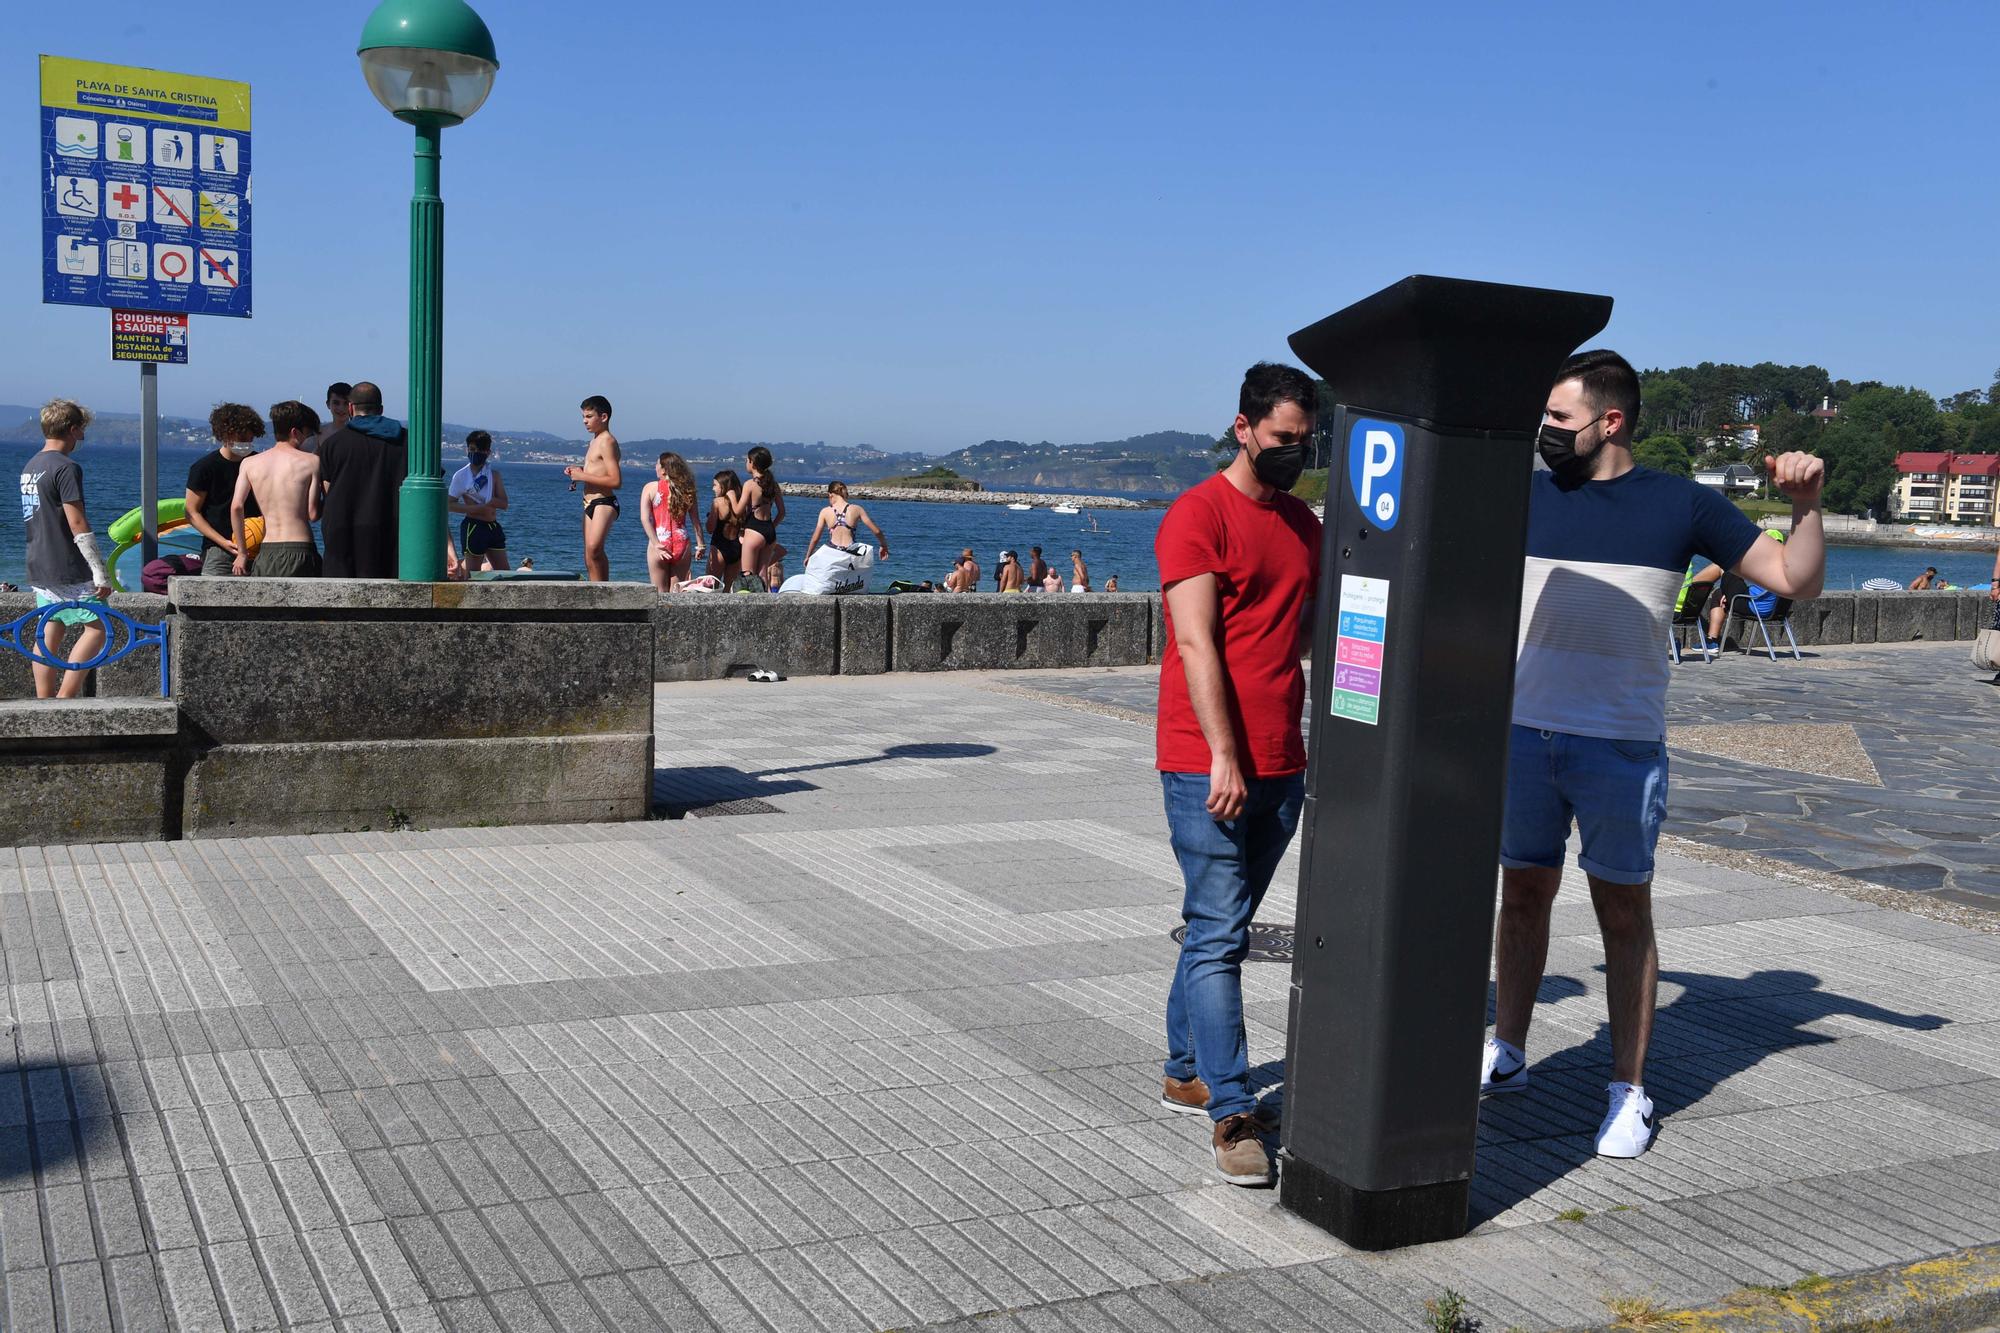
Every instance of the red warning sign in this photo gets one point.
(147, 335)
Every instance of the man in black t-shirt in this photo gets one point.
(211, 484)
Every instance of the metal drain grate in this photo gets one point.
(1268, 943)
(745, 805)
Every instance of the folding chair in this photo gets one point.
(1780, 616)
(1690, 615)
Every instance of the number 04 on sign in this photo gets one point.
(1359, 641)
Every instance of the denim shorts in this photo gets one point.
(1614, 791)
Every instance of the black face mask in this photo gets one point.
(1557, 446)
(476, 458)
(1279, 465)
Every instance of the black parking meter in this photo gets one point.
(1439, 385)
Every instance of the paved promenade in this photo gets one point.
(866, 1038)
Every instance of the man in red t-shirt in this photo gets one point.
(1239, 566)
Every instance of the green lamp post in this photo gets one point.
(431, 62)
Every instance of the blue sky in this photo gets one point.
(925, 225)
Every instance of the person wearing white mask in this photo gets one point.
(211, 484)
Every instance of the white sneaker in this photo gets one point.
(1628, 1125)
(1505, 1069)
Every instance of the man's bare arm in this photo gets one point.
(1196, 606)
(193, 501)
(239, 506)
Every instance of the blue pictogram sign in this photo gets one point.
(145, 189)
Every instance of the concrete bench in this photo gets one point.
(317, 705)
(89, 770)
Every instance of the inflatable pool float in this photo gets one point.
(177, 537)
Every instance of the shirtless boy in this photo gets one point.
(600, 477)
(282, 482)
(1079, 577)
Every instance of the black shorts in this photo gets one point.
(477, 536)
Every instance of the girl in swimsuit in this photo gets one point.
(666, 506)
(760, 508)
(841, 522)
(725, 534)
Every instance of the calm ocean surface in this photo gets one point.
(545, 522)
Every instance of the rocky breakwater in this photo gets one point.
(940, 495)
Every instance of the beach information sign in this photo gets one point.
(145, 189)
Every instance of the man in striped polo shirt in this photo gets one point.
(1607, 543)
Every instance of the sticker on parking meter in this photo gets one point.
(1375, 470)
(1359, 637)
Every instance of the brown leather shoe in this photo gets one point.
(1189, 1096)
(1240, 1154)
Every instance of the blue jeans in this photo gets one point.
(1226, 867)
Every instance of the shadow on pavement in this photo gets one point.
(720, 790)
(62, 1121)
(1766, 1013)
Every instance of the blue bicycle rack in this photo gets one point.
(24, 635)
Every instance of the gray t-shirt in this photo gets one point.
(50, 480)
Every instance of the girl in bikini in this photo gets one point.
(666, 506)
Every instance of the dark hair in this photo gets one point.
(340, 389)
(597, 402)
(234, 421)
(1269, 383)
(1036, 549)
(292, 415)
(731, 485)
(838, 488)
(366, 394)
(759, 459)
(1608, 381)
(478, 439)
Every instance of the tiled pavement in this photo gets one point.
(1927, 819)
(872, 1044)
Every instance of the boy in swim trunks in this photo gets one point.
(478, 495)
(283, 483)
(600, 476)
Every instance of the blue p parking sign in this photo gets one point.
(1375, 470)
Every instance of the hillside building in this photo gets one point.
(1945, 488)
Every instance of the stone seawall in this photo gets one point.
(705, 636)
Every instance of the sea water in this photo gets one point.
(545, 522)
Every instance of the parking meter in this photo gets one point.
(1439, 386)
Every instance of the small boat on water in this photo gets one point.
(1063, 509)
(1020, 506)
